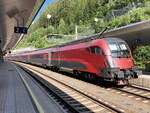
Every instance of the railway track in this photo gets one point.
(136, 92)
(139, 87)
(77, 100)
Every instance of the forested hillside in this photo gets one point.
(66, 14)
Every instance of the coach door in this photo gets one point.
(50, 57)
(59, 56)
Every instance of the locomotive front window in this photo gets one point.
(123, 47)
(119, 50)
(113, 47)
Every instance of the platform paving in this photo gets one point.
(14, 97)
(143, 80)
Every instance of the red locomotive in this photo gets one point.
(109, 59)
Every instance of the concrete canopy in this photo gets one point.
(137, 33)
(15, 13)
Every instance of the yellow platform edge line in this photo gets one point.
(30, 92)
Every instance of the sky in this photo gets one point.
(46, 3)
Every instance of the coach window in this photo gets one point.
(37, 56)
(52, 53)
(96, 50)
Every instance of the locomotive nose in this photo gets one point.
(123, 63)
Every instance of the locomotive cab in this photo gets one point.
(119, 62)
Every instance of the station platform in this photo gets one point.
(143, 80)
(15, 96)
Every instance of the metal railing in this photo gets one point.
(118, 12)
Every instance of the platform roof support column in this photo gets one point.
(1, 55)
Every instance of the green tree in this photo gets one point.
(62, 28)
(142, 56)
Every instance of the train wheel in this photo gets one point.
(92, 77)
(44, 65)
(89, 76)
(76, 73)
(85, 76)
